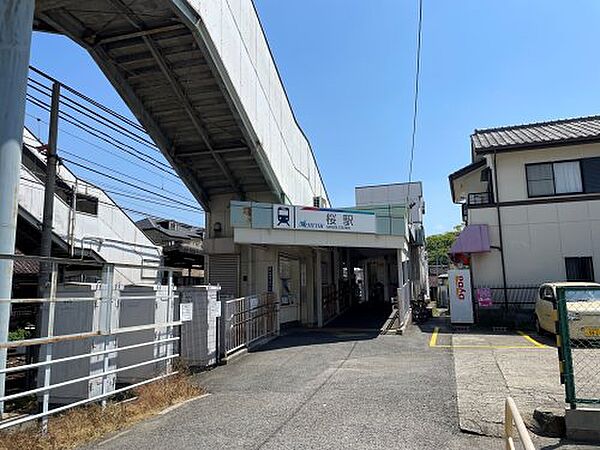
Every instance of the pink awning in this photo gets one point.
(472, 239)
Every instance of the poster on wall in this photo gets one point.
(484, 297)
(461, 302)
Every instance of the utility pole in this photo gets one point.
(16, 23)
(50, 189)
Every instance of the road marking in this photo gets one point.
(492, 347)
(536, 345)
(532, 340)
(434, 335)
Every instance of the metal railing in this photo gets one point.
(512, 420)
(479, 198)
(95, 340)
(247, 320)
(577, 320)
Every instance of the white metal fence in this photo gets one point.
(95, 340)
(248, 320)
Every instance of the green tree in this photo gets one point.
(438, 245)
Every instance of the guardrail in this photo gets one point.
(512, 420)
(95, 340)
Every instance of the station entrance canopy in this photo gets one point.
(278, 224)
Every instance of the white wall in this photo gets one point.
(468, 184)
(110, 223)
(511, 166)
(392, 194)
(238, 38)
(537, 238)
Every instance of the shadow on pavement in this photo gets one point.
(362, 322)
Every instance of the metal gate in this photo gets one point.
(247, 321)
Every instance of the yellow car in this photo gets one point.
(583, 309)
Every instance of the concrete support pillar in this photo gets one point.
(366, 286)
(386, 279)
(337, 274)
(16, 22)
(318, 288)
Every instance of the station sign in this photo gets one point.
(323, 219)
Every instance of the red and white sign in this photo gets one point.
(461, 300)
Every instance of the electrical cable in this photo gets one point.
(41, 186)
(151, 161)
(416, 101)
(89, 100)
(61, 150)
(175, 179)
(126, 183)
(76, 106)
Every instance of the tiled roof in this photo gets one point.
(558, 132)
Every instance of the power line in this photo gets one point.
(416, 100)
(84, 110)
(40, 186)
(127, 183)
(115, 171)
(82, 126)
(175, 179)
(89, 100)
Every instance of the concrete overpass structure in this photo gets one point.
(200, 77)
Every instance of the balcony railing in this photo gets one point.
(479, 198)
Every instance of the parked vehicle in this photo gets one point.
(583, 308)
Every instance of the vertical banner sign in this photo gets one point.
(461, 303)
(270, 279)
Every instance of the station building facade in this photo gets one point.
(319, 262)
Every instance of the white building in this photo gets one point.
(87, 222)
(531, 204)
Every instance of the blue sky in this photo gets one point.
(348, 67)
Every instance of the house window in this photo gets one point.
(87, 204)
(557, 178)
(579, 269)
(590, 171)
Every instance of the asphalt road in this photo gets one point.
(326, 389)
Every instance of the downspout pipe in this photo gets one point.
(16, 23)
(501, 247)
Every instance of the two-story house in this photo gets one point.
(531, 204)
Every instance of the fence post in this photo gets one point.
(170, 315)
(48, 357)
(563, 324)
(248, 321)
(105, 322)
(223, 328)
(277, 314)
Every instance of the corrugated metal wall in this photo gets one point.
(224, 270)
